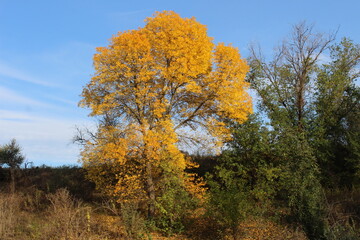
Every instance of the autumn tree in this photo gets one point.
(151, 89)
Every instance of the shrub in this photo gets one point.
(131, 218)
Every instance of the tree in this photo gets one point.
(151, 88)
(10, 154)
(247, 176)
(337, 126)
(286, 86)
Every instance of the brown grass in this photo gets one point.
(343, 213)
(261, 229)
(34, 215)
(68, 218)
(9, 215)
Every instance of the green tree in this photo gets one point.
(286, 86)
(337, 113)
(247, 175)
(10, 154)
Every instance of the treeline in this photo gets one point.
(49, 180)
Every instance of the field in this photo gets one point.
(59, 203)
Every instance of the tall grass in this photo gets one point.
(9, 215)
(68, 218)
(343, 214)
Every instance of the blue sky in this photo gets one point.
(46, 50)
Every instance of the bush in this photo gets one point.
(129, 217)
(228, 205)
(176, 202)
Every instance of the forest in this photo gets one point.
(195, 141)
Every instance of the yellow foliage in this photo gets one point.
(152, 83)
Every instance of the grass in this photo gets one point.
(59, 216)
(43, 210)
(9, 215)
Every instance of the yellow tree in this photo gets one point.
(151, 84)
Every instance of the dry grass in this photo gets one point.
(262, 229)
(343, 210)
(58, 216)
(35, 215)
(253, 228)
(9, 215)
(68, 218)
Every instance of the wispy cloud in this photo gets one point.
(63, 100)
(8, 96)
(14, 115)
(11, 72)
(44, 140)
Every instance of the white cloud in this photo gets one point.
(63, 67)
(63, 100)
(10, 97)
(11, 72)
(44, 140)
(21, 116)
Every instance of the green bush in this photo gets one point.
(228, 205)
(173, 206)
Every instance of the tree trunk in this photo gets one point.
(150, 190)
(12, 184)
(300, 99)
